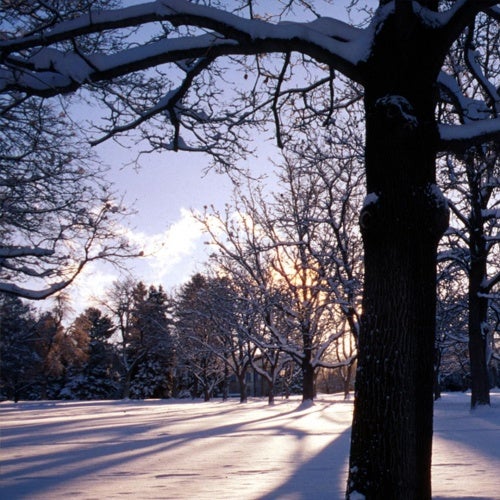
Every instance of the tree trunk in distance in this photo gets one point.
(243, 387)
(307, 372)
(478, 302)
(347, 381)
(478, 326)
(437, 369)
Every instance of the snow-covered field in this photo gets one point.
(195, 450)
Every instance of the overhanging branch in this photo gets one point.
(458, 138)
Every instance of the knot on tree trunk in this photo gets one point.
(396, 214)
(398, 114)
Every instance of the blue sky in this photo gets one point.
(163, 192)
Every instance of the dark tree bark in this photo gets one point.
(243, 386)
(308, 391)
(307, 366)
(401, 224)
(478, 304)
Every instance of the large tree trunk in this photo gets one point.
(401, 223)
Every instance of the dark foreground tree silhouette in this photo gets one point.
(397, 59)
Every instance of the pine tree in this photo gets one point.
(98, 377)
(20, 362)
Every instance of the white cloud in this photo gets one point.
(91, 285)
(170, 256)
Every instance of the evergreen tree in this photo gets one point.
(62, 353)
(197, 339)
(151, 324)
(19, 361)
(98, 377)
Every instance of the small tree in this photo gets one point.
(233, 321)
(119, 301)
(451, 321)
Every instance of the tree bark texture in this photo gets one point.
(308, 369)
(243, 386)
(478, 324)
(402, 221)
(308, 377)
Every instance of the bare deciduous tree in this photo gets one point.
(57, 210)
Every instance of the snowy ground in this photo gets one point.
(213, 451)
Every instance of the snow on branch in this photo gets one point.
(455, 19)
(469, 109)
(457, 138)
(23, 251)
(183, 12)
(31, 294)
(48, 71)
(488, 284)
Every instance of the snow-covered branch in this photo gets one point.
(29, 293)
(454, 20)
(24, 251)
(47, 70)
(458, 138)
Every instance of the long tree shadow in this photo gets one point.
(43, 455)
(323, 477)
(88, 446)
(467, 444)
(477, 429)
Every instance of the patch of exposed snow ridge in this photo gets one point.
(370, 199)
